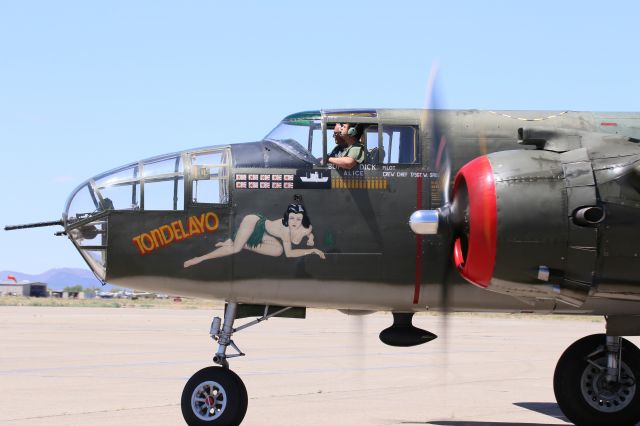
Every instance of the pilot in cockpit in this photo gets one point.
(353, 152)
(341, 144)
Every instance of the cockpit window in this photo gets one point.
(301, 134)
(296, 131)
(300, 138)
(400, 145)
(155, 184)
(119, 190)
(163, 184)
(210, 177)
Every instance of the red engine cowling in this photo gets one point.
(512, 212)
(542, 224)
(476, 263)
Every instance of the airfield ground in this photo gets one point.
(128, 365)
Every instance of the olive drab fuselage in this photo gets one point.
(269, 222)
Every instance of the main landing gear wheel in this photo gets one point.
(214, 396)
(583, 392)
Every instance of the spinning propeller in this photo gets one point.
(450, 220)
(467, 216)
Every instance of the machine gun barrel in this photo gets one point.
(34, 225)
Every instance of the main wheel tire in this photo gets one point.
(582, 391)
(214, 396)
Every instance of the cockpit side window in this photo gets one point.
(163, 187)
(400, 144)
(210, 177)
(316, 143)
(374, 154)
(393, 144)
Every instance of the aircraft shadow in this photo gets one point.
(471, 423)
(547, 408)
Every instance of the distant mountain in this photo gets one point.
(57, 279)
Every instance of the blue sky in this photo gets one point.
(87, 86)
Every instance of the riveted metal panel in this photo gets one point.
(532, 222)
(581, 263)
(581, 191)
(574, 156)
(564, 143)
(579, 197)
(578, 174)
(573, 292)
(582, 236)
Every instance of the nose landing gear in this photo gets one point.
(216, 396)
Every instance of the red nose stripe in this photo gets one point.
(477, 267)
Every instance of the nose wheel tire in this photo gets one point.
(214, 396)
(583, 392)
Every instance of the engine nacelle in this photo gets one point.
(561, 221)
(530, 224)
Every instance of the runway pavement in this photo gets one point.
(124, 366)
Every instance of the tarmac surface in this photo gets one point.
(127, 366)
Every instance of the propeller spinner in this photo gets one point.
(467, 223)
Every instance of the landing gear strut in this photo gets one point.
(216, 396)
(595, 381)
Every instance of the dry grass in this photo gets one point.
(185, 303)
(189, 303)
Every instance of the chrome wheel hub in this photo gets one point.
(208, 400)
(604, 396)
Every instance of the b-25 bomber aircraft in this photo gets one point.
(543, 216)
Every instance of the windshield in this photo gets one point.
(301, 138)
